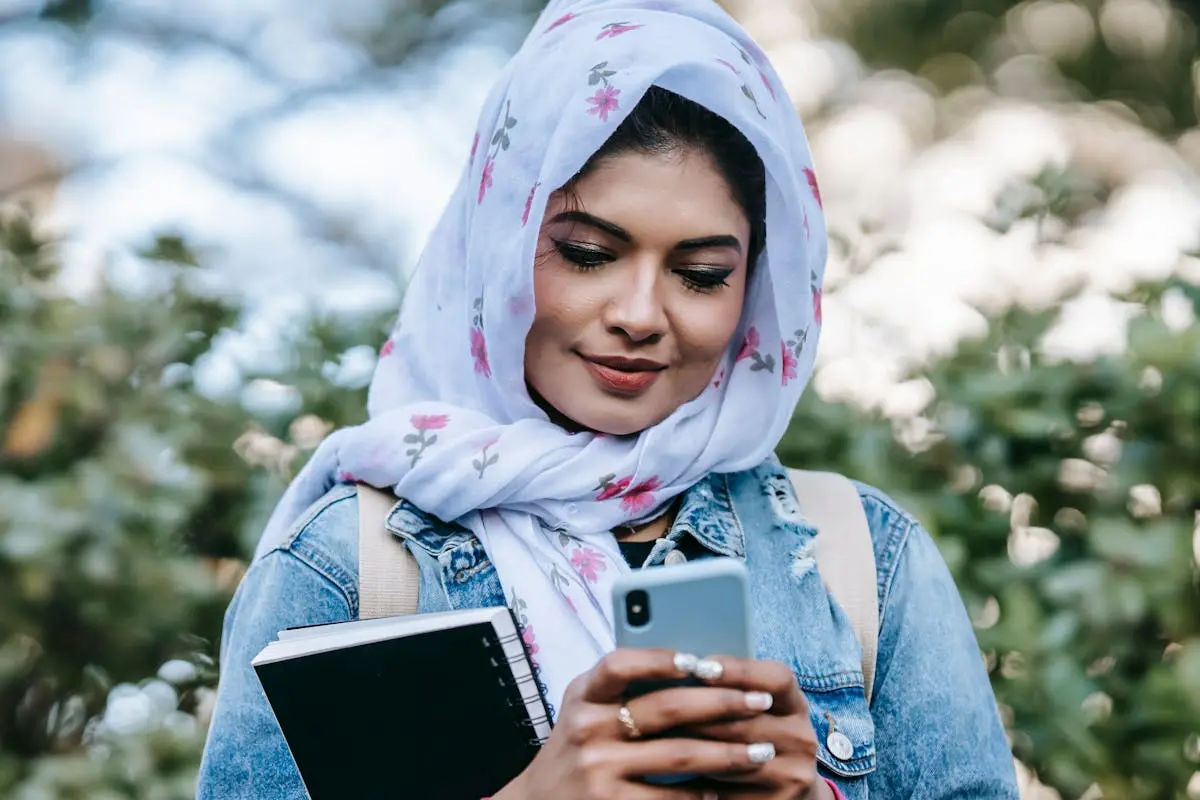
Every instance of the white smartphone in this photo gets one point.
(701, 607)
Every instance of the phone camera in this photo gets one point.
(637, 608)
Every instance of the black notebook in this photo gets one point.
(425, 706)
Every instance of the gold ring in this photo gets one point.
(631, 729)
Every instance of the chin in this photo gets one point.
(619, 427)
(614, 422)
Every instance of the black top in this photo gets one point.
(636, 553)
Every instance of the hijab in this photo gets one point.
(452, 427)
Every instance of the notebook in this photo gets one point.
(432, 705)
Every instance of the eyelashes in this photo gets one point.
(705, 280)
(580, 256)
(699, 279)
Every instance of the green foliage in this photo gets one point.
(124, 513)
(955, 43)
(1065, 498)
(99, 493)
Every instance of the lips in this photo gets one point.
(623, 376)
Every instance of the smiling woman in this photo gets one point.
(642, 268)
(619, 374)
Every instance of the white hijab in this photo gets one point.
(452, 427)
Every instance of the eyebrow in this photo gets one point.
(617, 232)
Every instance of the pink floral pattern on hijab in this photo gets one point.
(451, 425)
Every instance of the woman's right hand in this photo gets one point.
(594, 755)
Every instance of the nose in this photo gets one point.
(636, 308)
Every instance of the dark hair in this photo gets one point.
(664, 122)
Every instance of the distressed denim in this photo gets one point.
(931, 732)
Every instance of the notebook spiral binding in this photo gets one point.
(525, 690)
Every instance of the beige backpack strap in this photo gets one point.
(388, 577)
(845, 555)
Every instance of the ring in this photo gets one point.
(631, 729)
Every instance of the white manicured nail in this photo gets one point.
(760, 752)
(759, 701)
(685, 662)
(708, 670)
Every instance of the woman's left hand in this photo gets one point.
(792, 773)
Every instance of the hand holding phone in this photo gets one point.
(592, 754)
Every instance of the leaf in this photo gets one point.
(594, 78)
(1154, 545)
(412, 451)
(493, 459)
(769, 363)
(412, 438)
(169, 248)
(69, 12)
(504, 141)
(564, 540)
(497, 135)
(35, 422)
(510, 123)
(600, 66)
(32, 429)
(432, 438)
(477, 465)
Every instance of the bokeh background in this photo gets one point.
(208, 211)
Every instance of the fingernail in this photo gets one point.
(708, 670)
(685, 662)
(710, 794)
(760, 752)
(759, 701)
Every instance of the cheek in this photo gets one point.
(563, 307)
(554, 302)
(704, 333)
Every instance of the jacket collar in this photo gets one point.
(706, 513)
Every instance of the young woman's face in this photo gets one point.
(639, 283)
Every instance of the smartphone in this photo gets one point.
(701, 607)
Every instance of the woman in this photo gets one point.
(561, 403)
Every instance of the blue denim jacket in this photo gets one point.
(931, 732)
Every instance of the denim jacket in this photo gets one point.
(931, 731)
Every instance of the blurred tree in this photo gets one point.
(124, 510)
(1065, 497)
(1064, 494)
(1135, 52)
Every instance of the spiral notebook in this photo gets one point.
(432, 705)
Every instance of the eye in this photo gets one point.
(704, 280)
(582, 256)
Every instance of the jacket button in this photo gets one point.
(675, 557)
(839, 745)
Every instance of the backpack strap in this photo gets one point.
(845, 555)
(388, 577)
